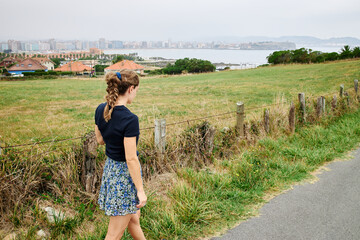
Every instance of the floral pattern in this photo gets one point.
(118, 194)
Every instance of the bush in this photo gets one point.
(154, 72)
(65, 73)
(100, 68)
(27, 74)
(304, 55)
(189, 65)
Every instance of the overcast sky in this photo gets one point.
(177, 20)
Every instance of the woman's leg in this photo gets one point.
(117, 226)
(134, 227)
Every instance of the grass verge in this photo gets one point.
(192, 203)
(202, 203)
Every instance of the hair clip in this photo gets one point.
(118, 75)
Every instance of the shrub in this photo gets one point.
(189, 65)
(304, 55)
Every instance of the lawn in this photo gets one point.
(36, 110)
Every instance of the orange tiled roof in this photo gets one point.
(12, 59)
(9, 60)
(27, 64)
(43, 59)
(73, 67)
(125, 65)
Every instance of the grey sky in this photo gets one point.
(178, 20)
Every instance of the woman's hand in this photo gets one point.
(142, 199)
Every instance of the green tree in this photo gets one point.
(346, 52)
(100, 68)
(332, 56)
(189, 65)
(118, 58)
(57, 61)
(300, 56)
(280, 57)
(356, 52)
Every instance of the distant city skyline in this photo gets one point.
(179, 21)
(55, 46)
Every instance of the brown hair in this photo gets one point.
(117, 87)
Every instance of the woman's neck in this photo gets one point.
(121, 101)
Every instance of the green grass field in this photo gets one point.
(59, 108)
(198, 202)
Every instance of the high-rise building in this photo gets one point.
(52, 43)
(85, 45)
(14, 46)
(35, 47)
(3, 46)
(28, 46)
(78, 45)
(44, 46)
(144, 44)
(117, 44)
(102, 43)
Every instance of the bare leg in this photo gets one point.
(117, 226)
(134, 227)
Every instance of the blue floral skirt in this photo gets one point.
(118, 194)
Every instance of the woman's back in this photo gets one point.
(123, 123)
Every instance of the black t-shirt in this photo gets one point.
(123, 123)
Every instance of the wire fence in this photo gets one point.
(170, 124)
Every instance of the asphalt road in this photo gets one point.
(326, 209)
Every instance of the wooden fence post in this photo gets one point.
(266, 121)
(323, 104)
(292, 118)
(160, 135)
(333, 103)
(341, 90)
(240, 118)
(88, 176)
(356, 86)
(302, 106)
(319, 106)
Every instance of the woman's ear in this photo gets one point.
(131, 88)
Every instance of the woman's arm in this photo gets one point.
(99, 137)
(134, 168)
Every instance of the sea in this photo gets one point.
(242, 58)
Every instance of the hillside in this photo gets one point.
(59, 108)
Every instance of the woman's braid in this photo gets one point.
(116, 87)
(111, 97)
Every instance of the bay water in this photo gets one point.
(244, 58)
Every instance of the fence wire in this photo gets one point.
(170, 124)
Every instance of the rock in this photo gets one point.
(11, 236)
(53, 214)
(41, 234)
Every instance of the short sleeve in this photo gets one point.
(132, 128)
(96, 113)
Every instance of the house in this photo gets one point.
(46, 62)
(95, 51)
(125, 65)
(8, 61)
(26, 65)
(76, 67)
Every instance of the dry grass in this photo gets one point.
(52, 173)
(65, 107)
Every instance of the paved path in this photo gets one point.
(327, 209)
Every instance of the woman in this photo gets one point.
(121, 193)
